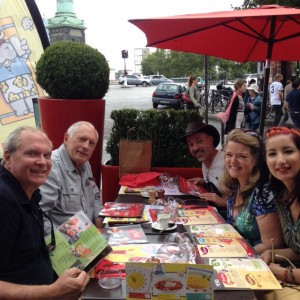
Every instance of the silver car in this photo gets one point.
(134, 80)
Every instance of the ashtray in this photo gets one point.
(109, 279)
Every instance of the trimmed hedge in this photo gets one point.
(163, 127)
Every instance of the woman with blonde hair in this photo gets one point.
(250, 206)
(233, 117)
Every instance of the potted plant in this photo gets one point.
(163, 127)
(76, 78)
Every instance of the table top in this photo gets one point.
(94, 291)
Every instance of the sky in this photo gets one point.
(107, 24)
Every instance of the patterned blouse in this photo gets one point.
(259, 203)
(291, 232)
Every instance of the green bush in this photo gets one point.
(163, 127)
(72, 70)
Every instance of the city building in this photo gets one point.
(139, 55)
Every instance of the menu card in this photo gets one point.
(224, 247)
(131, 234)
(217, 230)
(207, 215)
(129, 210)
(168, 281)
(242, 273)
(78, 244)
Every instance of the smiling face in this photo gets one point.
(81, 144)
(239, 161)
(31, 162)
(201, 146)
(283, 158)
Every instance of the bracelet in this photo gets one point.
(285, 275)
(291, 274)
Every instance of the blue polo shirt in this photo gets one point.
(24, 258)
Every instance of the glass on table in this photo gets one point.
(110, 278)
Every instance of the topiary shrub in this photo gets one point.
(72, 70)
(163, 127)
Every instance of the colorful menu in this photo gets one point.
(201, 216)
(131, 234)
(78, 244)
(189, 187)
(126, 210)
(168, 281)
(242, 273)
(217, 230)
(224, 247)
(116, 220)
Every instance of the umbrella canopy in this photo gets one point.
(270, 32)
(239, 35)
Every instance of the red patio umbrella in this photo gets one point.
(271, 32)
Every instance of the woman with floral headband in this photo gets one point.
(250, 206)
(283, 160)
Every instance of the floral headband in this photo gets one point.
(273, 131)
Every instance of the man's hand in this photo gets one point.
(197, 180)
(69, 285)
(214, 198)
(99, 222)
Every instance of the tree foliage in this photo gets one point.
(183, 64)
(256, 3)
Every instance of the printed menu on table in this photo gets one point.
(242, 273)
(116, 220)
(131, 234)
(125, 210)
(217, 230)
(201, 216)
(224, 247)
(168, 281)
(78, 244)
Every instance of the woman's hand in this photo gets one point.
(197, 180)
(214, 198)
(278, 271)
(266, 256)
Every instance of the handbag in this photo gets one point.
(134, 155)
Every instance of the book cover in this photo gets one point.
(129, 210)
(78, 244)
(122, 235)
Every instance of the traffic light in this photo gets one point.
(124, 53)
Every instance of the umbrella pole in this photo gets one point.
(206, 87)
(264, 98)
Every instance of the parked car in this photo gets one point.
(157, 79)
(135, 80)
(169, 94)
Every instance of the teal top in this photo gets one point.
(259, 203)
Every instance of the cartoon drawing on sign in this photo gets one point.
(17, 83)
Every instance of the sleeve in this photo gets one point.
(50, 192)
(9, 228)
(263, 201)
(257, 104)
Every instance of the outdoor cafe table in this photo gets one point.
(94, 291)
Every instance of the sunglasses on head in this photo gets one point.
(251, 132)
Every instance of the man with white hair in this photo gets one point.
(70, 186)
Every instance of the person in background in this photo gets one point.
(246, 95)
(250, 206)
(276, 98)
(283, 160)
(70, 186)
(293, 103)
(202, 141)
(253, 107)
(233, 117)
(25, 267)
(193, 92)
(287, 89)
